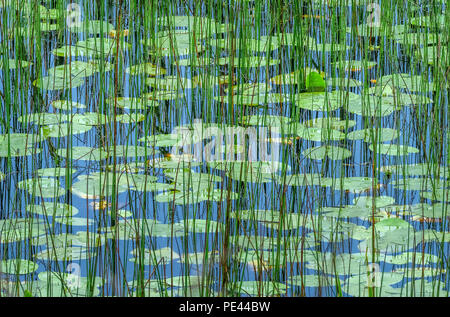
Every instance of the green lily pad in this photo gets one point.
(333, 152)
(53, 209)
(18, 266)
(379, 134)
(67, 105)
(42, 187)
(83, 153)
(394, 149)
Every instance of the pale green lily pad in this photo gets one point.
(317, 134)
(131, 103)
(67, 105)
(313, 280)
(368, 201)
(130, 118)
(65, 253)
(359, 285)
(266, 120)
(333, 152)
(44, 118)
(155, 257)
(55, 172)
(19, 144)
(394, 149)
(257, 288)
(18, 229)
(321, 101)
(172, 83)
(355, 65)
(93, 27)
(90, 118)
(248, 61)
(75, 221)
(161, 95)
(202, 226)
(253, 100)
(430, 21)
(439, 194)
(417, 258)
(391, 224)
(353, 184)
(148, 69)
(62, 284)
(417, 184)
(83, 153)
(199, 258)
(304, 180)
(15, 64)
(53, 209)
(18, 266)
(343, 82)
(42, 187)
(419, 272)
(421, 169)
(330, 123)
(379, 134)
(431, 54)
(57, 83)
(435, 211)
(100, 185)
(64, 129)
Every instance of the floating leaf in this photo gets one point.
(42, 187)
(53, 209)
(333, 152)
(394, 149)
(18, 266)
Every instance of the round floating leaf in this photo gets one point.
(394, 149)
(321, 101)
(42, 187)
(130, 118)
(93, 27)
(53, 209)
(172, 83)
(18, 266)
(258, 288)
(58, 83)
(14, 64)
(379, 134)
(354, 65)
(343, 82)
(83, 153)
(318, 134)
(333, 152)
(313, 280)
(330, 123)
(54, 171)
(155, 257)
(64, 129)
(75, 221)
(67, 105)
(148, 69)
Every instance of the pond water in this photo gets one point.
(239, 148)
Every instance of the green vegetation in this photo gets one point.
(234, 148)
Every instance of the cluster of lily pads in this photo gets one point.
(188, 56)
